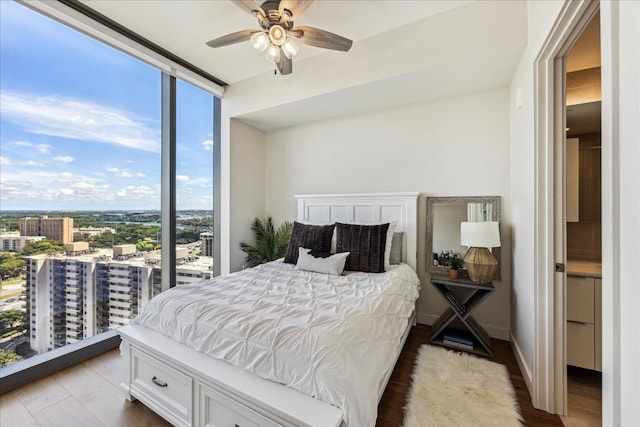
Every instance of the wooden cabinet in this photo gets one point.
(572, 172)
(584, 323)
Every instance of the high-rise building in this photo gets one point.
(206, 244)
(60, 229)
(72, 297)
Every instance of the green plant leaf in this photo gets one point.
(270, 242)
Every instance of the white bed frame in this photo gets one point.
(189, 388)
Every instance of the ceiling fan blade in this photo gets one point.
(296, 7)
(249, 6)
(237, 37)
(321, 38)
(285, 66)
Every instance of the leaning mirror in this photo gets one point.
(444, 215)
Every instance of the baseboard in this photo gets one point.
(496, 332)
(524, 369)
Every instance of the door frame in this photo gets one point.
(549, 377)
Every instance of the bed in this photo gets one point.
(199, 376)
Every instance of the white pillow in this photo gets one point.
(333, 264)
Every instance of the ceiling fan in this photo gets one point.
(277, 32)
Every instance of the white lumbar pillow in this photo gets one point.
(333, 264)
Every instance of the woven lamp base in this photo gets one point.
(481, 265)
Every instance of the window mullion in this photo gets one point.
(168, 182)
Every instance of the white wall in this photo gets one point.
(457, 146)
(247, 187)
(540, 18)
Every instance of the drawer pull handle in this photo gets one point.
(579, 322)
(159, 383)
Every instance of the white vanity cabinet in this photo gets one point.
(584, 322)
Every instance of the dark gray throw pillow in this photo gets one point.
(314, 237)
(366, 245)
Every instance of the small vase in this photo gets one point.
(453, 273)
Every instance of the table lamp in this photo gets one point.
(479, 236)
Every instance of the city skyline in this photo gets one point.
(81, 124)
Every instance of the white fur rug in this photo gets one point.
(458, 389)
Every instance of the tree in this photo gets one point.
(42, 247)
(7, 357)
(144, 246)
(11, 268)
(271, 244)
(187, 235)
(11, 319)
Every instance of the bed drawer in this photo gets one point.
(167, 391)
(217, 410)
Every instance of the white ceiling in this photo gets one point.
(183, 27)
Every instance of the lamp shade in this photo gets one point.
(480, 234)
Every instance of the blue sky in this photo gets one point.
(80, 123)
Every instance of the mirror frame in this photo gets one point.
(431, 202)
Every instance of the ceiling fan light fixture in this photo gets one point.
(273, 53)
(259, 41)
(290, 49)
(277, 35)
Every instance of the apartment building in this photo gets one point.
(74, 297)
(15, 243)
(206, 244)
(60, 229)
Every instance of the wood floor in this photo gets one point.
(87, 395)
(584, 398)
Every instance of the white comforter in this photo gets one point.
(330, 337)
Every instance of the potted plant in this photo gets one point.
(455, 265)
(271, 243)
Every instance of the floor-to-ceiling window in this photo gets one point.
(194, 183)
(81, 185)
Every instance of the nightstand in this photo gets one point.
(460, 309)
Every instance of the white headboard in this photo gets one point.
(366, 208)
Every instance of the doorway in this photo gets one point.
(583, 229)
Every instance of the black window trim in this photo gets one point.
(113, 25)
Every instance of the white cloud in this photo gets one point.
(200, 182)
(119, 172)
(182, 178)
(4, 161)
(64, 159)
(140, 175)
(40, 148)
(32, 163)
(138, 192)
(32, 188)
(208, 145)
(78, 119)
